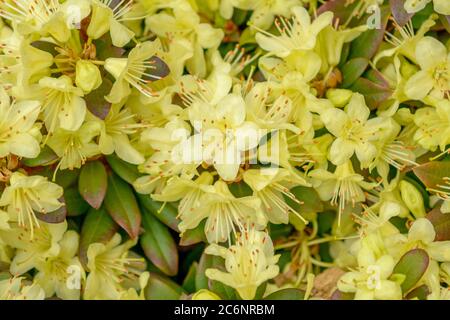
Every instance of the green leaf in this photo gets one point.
(419, 293)
(432, 173)
(166, 213)
(413, 265)
(422, 15)
(93, 182)
(374, 93)
(189, 280)
(367, 44)
(125, 170)
(66, 178)
(158, 245)
(342, 10)
(309, 197)
(46, 157)
(160, 287)
(399, 13)
(441, 224)
(45, 46)
(75, 204)
(240, 189)
(121, 204)
(353, 69)
(96, 102)
(286, 294)
(105, 49)
(194, 236)
(98, 226)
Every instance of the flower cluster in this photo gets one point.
(287, 148)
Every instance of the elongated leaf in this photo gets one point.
(420, 293)
(75, 204)
(98, 226)
(125, 170)
(343, 10)
(121, 204)
(310, 200)
(158, 245)
(45, 46)
(166, 213)
(367, 44)
(399, 13)
(432, 173)
(441, 224)
(45, 158)
(413, 265)
(353, 69)
(240, 189)
(92, 183)
(189, 280)
(96, 102)
(160, 287)
(374, 94)
(286, 294)
(66, 178)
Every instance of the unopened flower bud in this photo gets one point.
(88, 76)
(412, 198)
(204, 294)
(339, 97)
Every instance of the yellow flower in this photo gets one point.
(54, 274)
(108, 15)
(341, 187)
(62, 104)
(263, 11)
(223, 212)
(249, 263)
(33, 253)
(433, 126)
(136, 70)
(17, 288)
(186, 190)
(422, 234)
(131, 293)
(27, 194)
(434, 76)
(371, 282)
(185, 23)
(75, 147)
(295, 35)
(115, 130)
(219, 118)
(354, 131)
(440, 6)
(269, 185)
(107, 264)
(18, 133)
